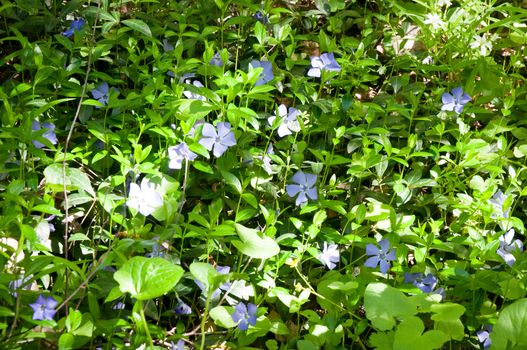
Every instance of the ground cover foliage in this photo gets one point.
(263, 175)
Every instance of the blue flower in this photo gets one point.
(455, 101)
(44, 308)
(49, 134)
(484, 336)
(216, 60)
(381, 257)
(119, 306)
(244, 315)
(223, 270)
(178, 154)
(15, 285)
(330, 255)
(267, 74)
(288, 120)
(182, 309)
(102, 92)
(260, 17)
(507, 247)
(498, 200)
(75, 26)
(326, 62)
(219, 140)
(180, 345)
(304, 187)
(425, 283)
(167, 46)
(191, 95)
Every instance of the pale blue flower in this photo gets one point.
(303, 186)
(219, 140)
(507, 247)
(44, 308)
(330, 255)
(182, 309)
(216, 60)
(167, 46)
(191, 95)
(484, 336)
(455, 101)
(244, 315)
(177, 154)
(223, 270)
(325, 62)
(267, 74)
(49, 134)
(498, 200)
(145, 199)
(75, 26)
(381, 257)
(425, 283)
(102, 92)
(288, 120)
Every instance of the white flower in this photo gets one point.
(191, 95)
(289, 121)
(482, 43)
(442, 3)
(144, 199)
(434, 20)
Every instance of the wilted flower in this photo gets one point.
(498, 200)
(425, 283)
(216, 60)
(330, 255)
(102, 92)
(455, 101)
(326, 62)
(244, 315)
(144, 199)
(267, 74)
(49, 134)
(260, 17)
(178, 154)
(191, 95)
(484, 336)
(75, 26)
(44, 308)
(507, 247)
(381, 257)
(182, 309)
(167, 46)
(288, 123)
(220, 140)
(304, 186)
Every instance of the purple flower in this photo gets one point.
(216, 60)
(455, 101)
(220, 140)
(381, 257)
(304, 186)
(44, 308)
(102, 92)
(49, 134)
(330, 255)
(191, 95)
(326, 62)
(119, 306)
(167, 46)
(267, 74)
(223, 270)
(497, 201)
(180, 345)
(484, 336)
(260, 17)
(244, 315)
(75, 26)
(182, 309)
(15, 285)
(425, 283)
(507, 247)
(288, 120)
(178, 154)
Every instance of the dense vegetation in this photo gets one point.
(234, 174)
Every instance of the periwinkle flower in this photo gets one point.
(219, 140)
(381, 257)
(303, 186)
(267, 74)
(15, 285)
(177, 154)
(167, 46)
(44, 308)
(182, 309)
(75, 26)
(260, 17)
(326, 62)
(266, 160)
(180, 345)
(507, 247)
(191, 95)
(330, 255)
(102, 92)
(244, 315)
(49, 134)
(498, 200)
(484, 336)
(216, 60)
(425, 283)
(289, 120)
(455, 101)
(145, 199)
(223, 270)
(119, 306)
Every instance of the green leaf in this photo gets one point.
(447, 319)
(140, 26)
(253, 245)
(74, 179)
(147, 278)
(410, 331)
(509, 331)
(222, 317)
(385, 304)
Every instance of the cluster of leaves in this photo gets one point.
(278, 174)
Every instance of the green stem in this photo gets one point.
(204, 320)
(145, 325)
